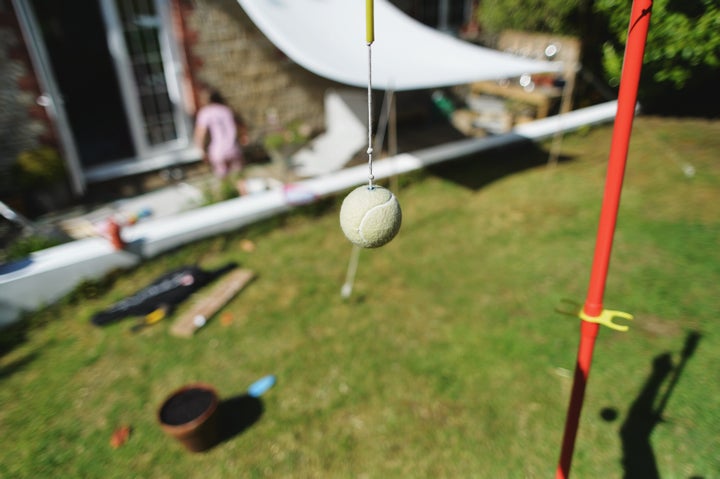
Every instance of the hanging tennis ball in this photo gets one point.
(370, 216)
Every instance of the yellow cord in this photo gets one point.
(369, 21)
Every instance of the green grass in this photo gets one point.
(447, 361)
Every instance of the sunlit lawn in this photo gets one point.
(448, 360)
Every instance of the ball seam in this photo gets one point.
(362, 220)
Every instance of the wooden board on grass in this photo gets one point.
(210, 302)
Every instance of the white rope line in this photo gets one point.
(371, 177)
(347, 287)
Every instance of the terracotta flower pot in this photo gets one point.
(190, 416)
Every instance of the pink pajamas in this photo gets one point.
(224, 153)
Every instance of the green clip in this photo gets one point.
(605, 318)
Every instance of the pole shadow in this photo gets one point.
(646, 412)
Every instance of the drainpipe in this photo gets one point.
(443, 16)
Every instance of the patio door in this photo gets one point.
(149, 71)
(111, 71)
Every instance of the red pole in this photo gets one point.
(627, 100)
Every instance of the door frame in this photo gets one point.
(50, 97)
(147, 157)
(172, 69)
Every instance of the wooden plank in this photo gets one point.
(540, 97)
(210, 303)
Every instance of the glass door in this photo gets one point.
(111, 79)
(148, 71)
(82, 70)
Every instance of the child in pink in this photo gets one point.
(223, 151)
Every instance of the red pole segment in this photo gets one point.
(588, 333)
(627, 100)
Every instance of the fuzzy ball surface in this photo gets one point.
(370, 216)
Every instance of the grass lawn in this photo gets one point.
(448, 360)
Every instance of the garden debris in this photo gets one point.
(150, 319)
(226, 318)
(247, 246)
(168, 290)
(120, 436)
(221, 293)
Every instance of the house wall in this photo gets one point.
(221, 46)
(227, 51)
(23, 124)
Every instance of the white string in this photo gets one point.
(371, 177)
(347, 287)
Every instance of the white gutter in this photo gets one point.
(45, 276)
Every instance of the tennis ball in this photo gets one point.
(370, 216)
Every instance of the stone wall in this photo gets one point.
(227, 51)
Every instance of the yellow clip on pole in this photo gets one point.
(606, 319)
(369, 21)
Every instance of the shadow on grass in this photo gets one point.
(646, 412)
(479, 170)
(17, 365)
(237, 414)
(14, 335)
(17, 333)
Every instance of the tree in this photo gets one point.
(547, 16)
(682, 56)
(563, 17)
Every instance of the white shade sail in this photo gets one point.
(328, 38)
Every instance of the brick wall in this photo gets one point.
(23, 124)
(222, 47)
(226, 50)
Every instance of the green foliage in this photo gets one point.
(683, 45)
(221, 189)
(551, 16)
(293, 134)
(93, 288)
(612, 61)
(38, 168)
(682, 57)
(25, 245)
